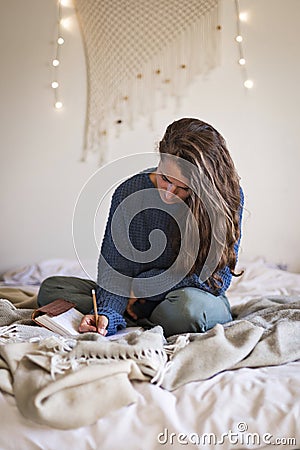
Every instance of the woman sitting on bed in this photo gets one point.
(171, 242)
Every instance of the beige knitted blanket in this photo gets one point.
(91, 376)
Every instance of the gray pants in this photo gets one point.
(182, 311)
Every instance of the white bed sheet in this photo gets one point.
(265, 400)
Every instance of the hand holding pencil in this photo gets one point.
(94, 322)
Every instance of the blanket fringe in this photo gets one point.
(181, 341)
(67, 355)
(153, 361)
(9, 334)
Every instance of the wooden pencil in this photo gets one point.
(95, 307)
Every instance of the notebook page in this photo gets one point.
(69, 321)
(66, 323)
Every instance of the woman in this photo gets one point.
(171, 242)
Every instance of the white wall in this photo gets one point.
(41, 175)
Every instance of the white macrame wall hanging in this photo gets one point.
(139, 52)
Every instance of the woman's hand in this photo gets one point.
(88, 324)
(131, 301)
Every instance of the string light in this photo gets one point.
(243, 16)
(248, 84)
(56, 61)
(65, 2)
(65, 23)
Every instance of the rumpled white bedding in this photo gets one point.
(34, 274)
(261, 279)
(259, 405)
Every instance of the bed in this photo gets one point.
(237, 406)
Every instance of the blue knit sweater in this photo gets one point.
(127, 248)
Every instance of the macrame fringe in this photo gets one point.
(191, 51)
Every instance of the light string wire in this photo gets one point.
(239, 40)
(57, 58)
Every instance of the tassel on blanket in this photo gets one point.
(145, 349)
(57, 344)
(151, 362)
(8, 334)
(14, 333)
(171, 349)
(160, 375)
(181, 341)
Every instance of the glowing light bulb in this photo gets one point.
(58, 105)
(55, 62)
(60, 40)
(54, 84)
(242, 61)
(248, 84)
(239, 38)
(65, 23)
(243, 16)
(64, 2)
